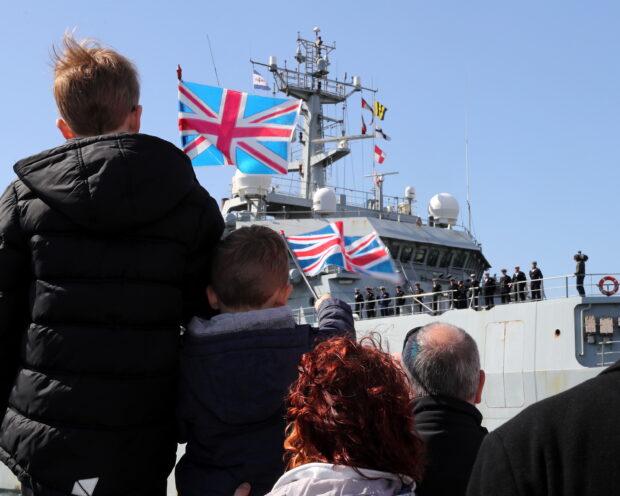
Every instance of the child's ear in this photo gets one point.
(212, 297)
(134, 119)
(64, 128)
(282, 296)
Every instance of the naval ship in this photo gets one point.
(529, 350)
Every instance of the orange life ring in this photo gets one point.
(608, 292)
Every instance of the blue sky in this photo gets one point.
(539, 82)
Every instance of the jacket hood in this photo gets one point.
(325, 479)
(110, 182)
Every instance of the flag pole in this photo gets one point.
(299, 267)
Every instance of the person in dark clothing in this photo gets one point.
(580, 271)
(400, 300)
(519, 281)
(237, 367)
(370, 304)
(474, 292)
(505, 283)
(436, 296)
(488, 290)
(536, 276)
(461, 295)
(453, 288)
(565, 445)
(359, 302)
(384, 302)
(106, 241)
(418, 300)
(444, 366)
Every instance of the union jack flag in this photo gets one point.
(329, 246)
(225, 127)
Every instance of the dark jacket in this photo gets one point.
(488, 288)
(105, 244)
(232, 391)
(564, 445)
(451, 431)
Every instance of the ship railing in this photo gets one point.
(435, 303)
(608, 354)
(291, 186)
(249, 216)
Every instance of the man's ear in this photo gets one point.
(64, 128)
(214, 301)
(478, 398)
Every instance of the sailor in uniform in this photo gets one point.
(436, 296)
(400, 301)
(536, 276)
(518, 285)
(359, 302)
(384, 302)
(505, 282)
(474, 291)
(488, 288)
(417, 306)
(370, 303)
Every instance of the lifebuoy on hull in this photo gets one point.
(603, 284)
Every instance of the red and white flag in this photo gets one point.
(363, 126)
(379, 155)
(368, 107)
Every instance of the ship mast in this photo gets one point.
(309, 82)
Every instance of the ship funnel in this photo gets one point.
(324, 201)
(444, 209)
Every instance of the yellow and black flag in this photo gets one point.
(380, 110)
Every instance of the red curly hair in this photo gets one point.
(352, 405)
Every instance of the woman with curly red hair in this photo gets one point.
(351, 428)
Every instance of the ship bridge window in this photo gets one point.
(432, 257)
(392, 246)
(459, 259)
(420, 254)
(444, 261)
(405, 254)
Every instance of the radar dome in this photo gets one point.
(409, 192)
(324, 201)
(444, 208)
(250, 184)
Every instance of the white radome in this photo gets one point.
(324, 200)
(444, 208)
(250, 184)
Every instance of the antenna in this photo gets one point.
(213, 62)
(467, 165)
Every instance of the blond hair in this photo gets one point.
(95, 88)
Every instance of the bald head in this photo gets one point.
(443, 359)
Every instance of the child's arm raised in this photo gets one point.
(334, 317)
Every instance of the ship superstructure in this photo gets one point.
(423, 249)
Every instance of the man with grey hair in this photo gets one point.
(444, 367)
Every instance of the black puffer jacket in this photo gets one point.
(104, 244)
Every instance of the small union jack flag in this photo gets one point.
(329, 246)
(225, 127)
